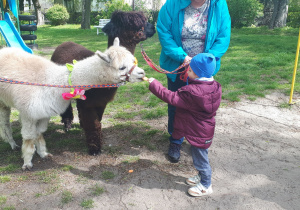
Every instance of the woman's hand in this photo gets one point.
(187, 59)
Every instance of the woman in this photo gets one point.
(185, 29)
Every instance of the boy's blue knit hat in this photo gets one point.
(203, 64)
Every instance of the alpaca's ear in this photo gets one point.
(103, 56)
(116, 42)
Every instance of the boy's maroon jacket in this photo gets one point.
(196, 105)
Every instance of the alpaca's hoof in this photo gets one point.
(16, 147)
(27, 166)
(48, 156)
(94, 152)
(67, 124)
(45, 155)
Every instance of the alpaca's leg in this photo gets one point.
(41, 147)
(5, 128)
(29, 134)
(90, 121)
(28, 150)
(40, 143)
(67, 118)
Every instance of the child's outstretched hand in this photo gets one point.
(150, 80)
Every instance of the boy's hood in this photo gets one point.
(203, 99)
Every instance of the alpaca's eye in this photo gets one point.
(122, 68)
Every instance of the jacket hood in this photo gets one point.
(203, 97)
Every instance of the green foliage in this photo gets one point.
(293, 18)
(109, 8)
(153, 16)
(87, 203)
(96, 190)
(252, 69)
(23, 22)
(66, 197)
(9, 168)
(243, 12)
(95, 18)
(57, 15)
(140, 5)
(47, 176)
(108, 175)
(67, 168)
(3, 200)
(114, 5)
(4, 179)
(9, 208)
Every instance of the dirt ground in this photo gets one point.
(255, 159)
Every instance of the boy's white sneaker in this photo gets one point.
(200, 190)
(193, 180)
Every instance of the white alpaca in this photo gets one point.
(37, 104)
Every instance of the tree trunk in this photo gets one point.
(86, 14)
(133, 6)
(275, 13)
(281, 15)
(268, 10)
(38, 12)
(59, 2)
(21, 5)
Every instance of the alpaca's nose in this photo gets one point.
(142, 73)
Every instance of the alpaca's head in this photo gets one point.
(122, 63)
(130, 27)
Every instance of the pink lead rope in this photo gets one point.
(157, 68)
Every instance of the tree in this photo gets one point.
(38, 12)
(59, 2)
(293, 19)
(275, 13)
(86, 14)
(21, 5)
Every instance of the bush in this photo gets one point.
(112, 6)
(243, 12)
(95, 18)
(153, 17)
(23, 22)
(57, 15)
(293, 18)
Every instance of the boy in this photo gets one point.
(196, 105)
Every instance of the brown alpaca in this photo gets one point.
(131, 28)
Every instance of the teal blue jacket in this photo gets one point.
(169, 27)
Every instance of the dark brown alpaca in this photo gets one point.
(131, 28)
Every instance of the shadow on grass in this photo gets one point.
(121, 138)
